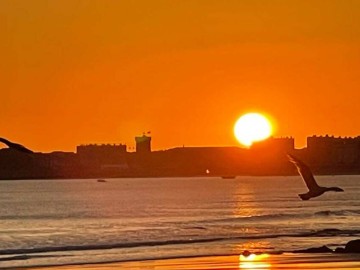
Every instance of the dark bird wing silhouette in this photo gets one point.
(16, 146)
(305, 173)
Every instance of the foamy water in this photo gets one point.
(49, 222)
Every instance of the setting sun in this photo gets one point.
(252, 127)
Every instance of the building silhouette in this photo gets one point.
(324, 154)
(283, 145)
(100, 151)
(143, 144)
(334, 154)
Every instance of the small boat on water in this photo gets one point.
(101, 180)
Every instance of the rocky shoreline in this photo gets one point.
(352, 246)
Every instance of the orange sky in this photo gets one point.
(75, 72)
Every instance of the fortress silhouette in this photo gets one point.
(325, 155)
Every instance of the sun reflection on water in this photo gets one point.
(254, 261)
(245, 202)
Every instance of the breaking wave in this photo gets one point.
(319, 214)
(25, 251)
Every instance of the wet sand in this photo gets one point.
(263, 261)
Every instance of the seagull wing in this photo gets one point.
(16, 146)
(5, 141)
(305, 172)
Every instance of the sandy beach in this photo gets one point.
(263, 261)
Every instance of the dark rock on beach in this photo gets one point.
(246, 253)
(339, 250)
(323, 249)
(353, 246)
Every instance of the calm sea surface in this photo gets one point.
(50, 222)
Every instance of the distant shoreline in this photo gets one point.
(324, 155)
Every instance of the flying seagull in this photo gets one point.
(16, 146)
(314, 189)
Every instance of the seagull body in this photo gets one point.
(16, 146)
(314, 189)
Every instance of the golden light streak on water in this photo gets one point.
(254, 261)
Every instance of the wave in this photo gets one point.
(288, 216)
(334, 232)
(320, 233)
(338, 213)
(255, 217)
(27, 257)
(106, 246)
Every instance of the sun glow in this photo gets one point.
(252, 127)
(254, 261)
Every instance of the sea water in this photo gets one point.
(55, 222)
